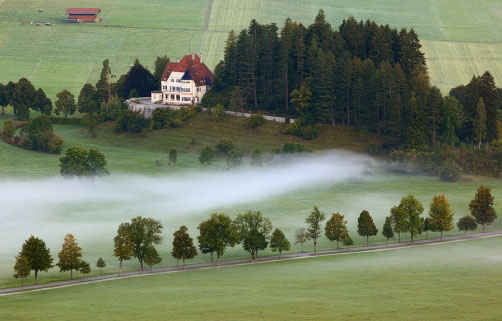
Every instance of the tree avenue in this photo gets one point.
(314, 225)
(482, 207)
(365, 226)
(254, 231)
(70, 255)
(441, 215)
(336, 228)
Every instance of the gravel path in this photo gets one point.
(241, 262)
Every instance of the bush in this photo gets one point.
(34, 130)
(225, 146)
(300, 130)
(255, 121)
(8, 128)
(131, 122)
(311, 132)
(234, 159)
(450, 171)
(206, 156)
(163, 117)
(111, 110)
(50, 142)
(66, 121)
(291, 148)
(218, 112)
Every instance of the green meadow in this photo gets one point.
(459, 39)
(458, 280)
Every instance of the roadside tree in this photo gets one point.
(314, 225)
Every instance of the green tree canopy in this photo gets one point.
(480, 123)
(123, 245)
(482, 207)
(407, 216)
(160, 65)
(22, 99)
(254, 231)
(85, 268)
(88, 100)
(103, 89)
(301, 237)
(216, 234)
(183, 247)
(41, 103)
(77, 162)
(336, 228)
(152, 257)
(38, 255)
(387, 229)
(65, 103)
(100, 264)
(21, 268)
(279, 242)
(206, 155)
(314, 225)
(467, 223)
(144, 232)
(365, 225)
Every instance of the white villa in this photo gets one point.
(184, 82)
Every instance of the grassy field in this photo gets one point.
(58, 207)
(459, 39)
(455, 281)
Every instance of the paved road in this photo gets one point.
(240, 262)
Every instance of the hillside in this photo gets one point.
(458, 41)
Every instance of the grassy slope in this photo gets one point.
(458, 281)
(66, 56)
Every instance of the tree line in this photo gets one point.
(254, 232)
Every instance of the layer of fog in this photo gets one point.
(52, 207)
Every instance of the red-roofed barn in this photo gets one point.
(77, 15)
(184, 82)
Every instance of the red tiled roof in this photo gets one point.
(84, 18)
(198, 70)
(78, 11)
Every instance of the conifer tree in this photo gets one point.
(365, 226)
(480, 123)
(441, 215)
(41, 103)
(160, 65)
(183, 247)
(100, 264)
(103, 89)
(482, 207)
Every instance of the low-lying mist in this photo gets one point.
(50, 208)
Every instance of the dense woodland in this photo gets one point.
(362, 75)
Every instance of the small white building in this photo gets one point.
(184, 82)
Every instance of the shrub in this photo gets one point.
(450, 171)
(8, 128)
(173, 156)
(291, 148)
(206, 155)
(111, 110)
(163, 117)
(132, 122)
(177, 123)
(234, 159)
(66, 121)
(300, 130)
(225, 146)
(255, 121)
(33, 131)
(50, 142)
(311, 132)
(218, 112)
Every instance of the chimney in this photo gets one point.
(201, 58)
(177, 60)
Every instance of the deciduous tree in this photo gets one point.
(387, 229)
(301, 237)
(206, 155)
(441, 215)
(183, 247)
(279, 242)
(216, 234)
(408, 216)
(348, 241)
(482, 207)
(70, 255)
(254, 231)
(21, 268)
(365, 226)
(144, 232)
(65, 103)
(85, 268)
(467, 223)
(336, 228)
(480, 123)
(41, 103)
(38, 255)
(123, 245)
(152, 257)
(314, 225)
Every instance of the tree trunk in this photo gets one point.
(183, 263)
(399, 236)
(301, 245)
(286, 98)
(218, 258)
(211, 257)
(387, 244)
(252, 255)
(315, 246)
(411, 238)
(337, 244)
(484, 228)
(280, 254)
(71, 274)
(367, 240)
(465, 233)
(141, 265)
(36, 277)
(120, 268)
(441, 237)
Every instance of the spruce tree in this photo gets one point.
(482, 207)
(279, 242)
(480, 123)
(387, 229)
(103, 87)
